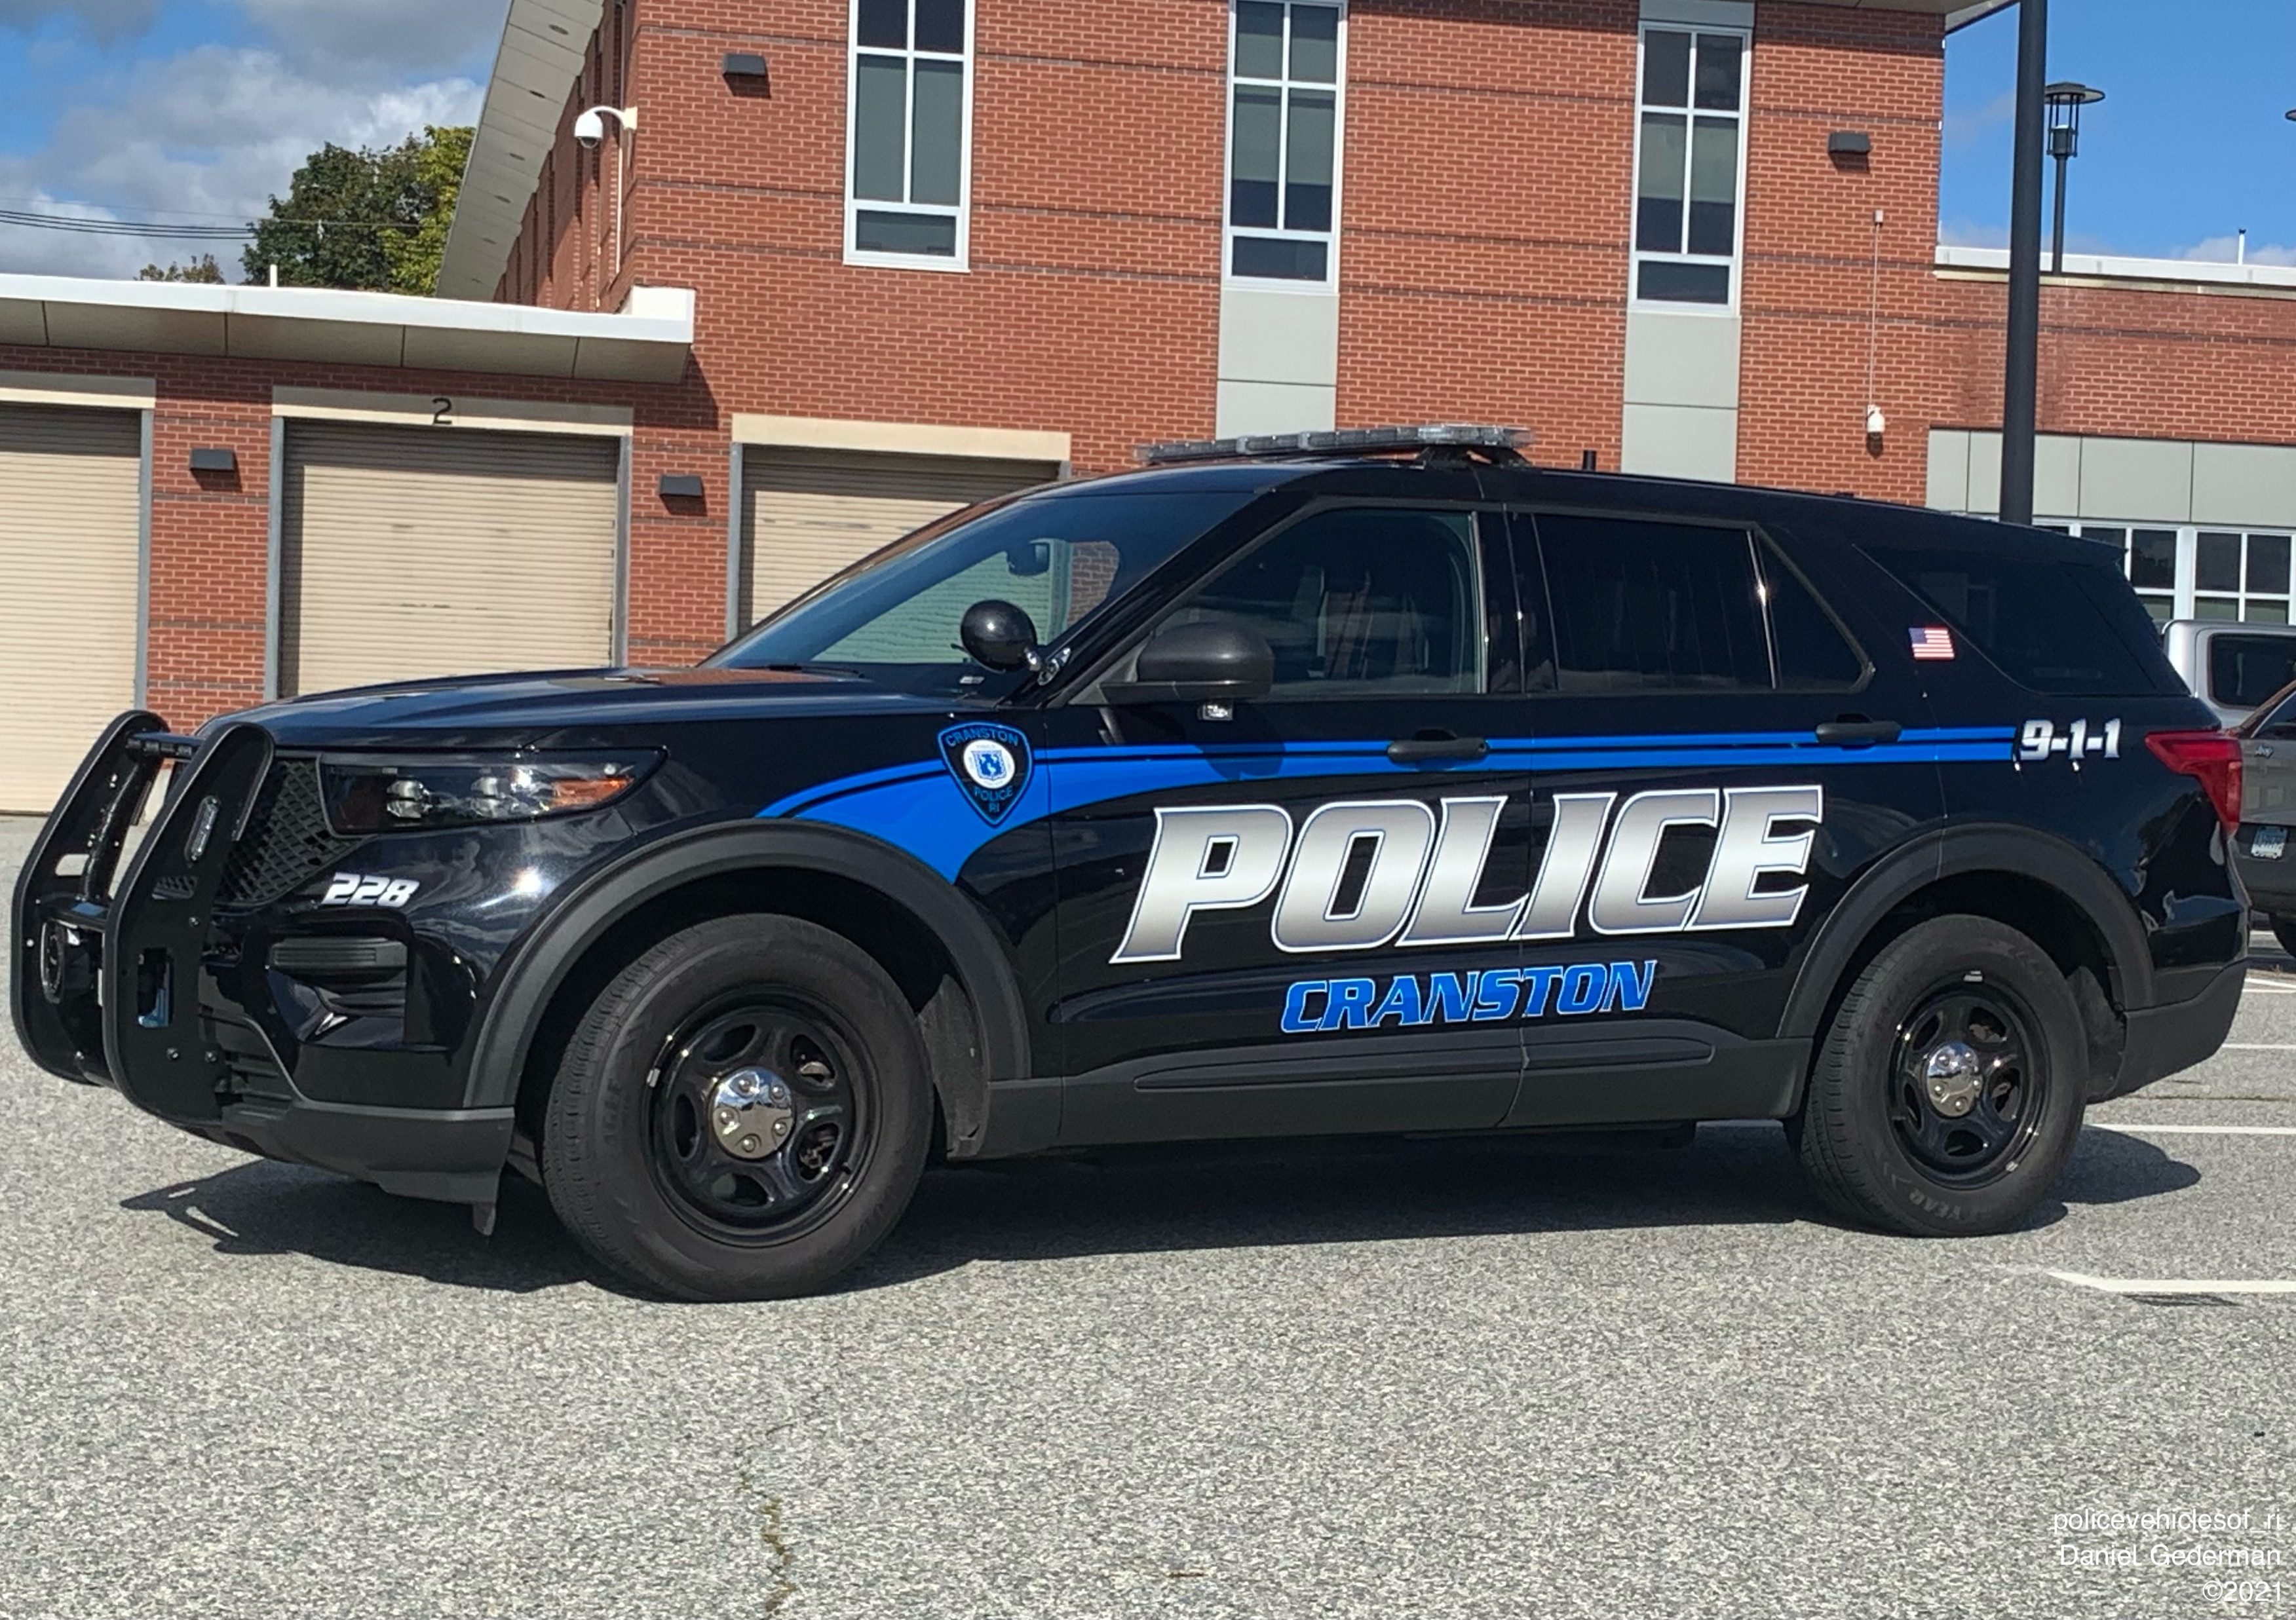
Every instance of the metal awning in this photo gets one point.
(648, 342)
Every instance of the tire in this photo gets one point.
(1877, 1135)
(639, 1142)
(2284, 929)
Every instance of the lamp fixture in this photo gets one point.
(215, 458)
(2065, 101)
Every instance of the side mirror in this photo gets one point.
(998, 635)
(1201, 663)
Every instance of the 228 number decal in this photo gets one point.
(2039, 740)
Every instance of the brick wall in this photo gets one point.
(1486, 194)
(2207, 363)
(1815, 308)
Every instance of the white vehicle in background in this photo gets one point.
(2232, 667)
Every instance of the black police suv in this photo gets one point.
(1366, 782)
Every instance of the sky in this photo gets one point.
(2190, 144)
(198, 110)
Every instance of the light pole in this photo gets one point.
(2020, 377)
(2065, 100)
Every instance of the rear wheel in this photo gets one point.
(1948, 1092)
(743, 1114)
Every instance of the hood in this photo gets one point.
(564, 708)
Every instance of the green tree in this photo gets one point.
(203, 268)
(439, 161)
(375, 220)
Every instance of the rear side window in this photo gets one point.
(1814, 654)
(2051, 625)
(2244, 670)
(1653, 607)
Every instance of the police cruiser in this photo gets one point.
(1374, 782)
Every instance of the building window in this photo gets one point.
(2202, 573)
(1690, 165)
(1283, 141)
(907, 133)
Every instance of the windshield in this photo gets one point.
(1058, 558)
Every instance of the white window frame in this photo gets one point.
(2187, 593)
(1229, 230)
(1635, 257)
(855, 206)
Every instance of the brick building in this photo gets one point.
(838, 265)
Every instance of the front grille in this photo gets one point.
(287, 838)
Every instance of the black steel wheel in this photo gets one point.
(758, 1124)
(1967, 1083)
(1946, 1093)
(742, 1114)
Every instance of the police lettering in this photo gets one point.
(1421, 869)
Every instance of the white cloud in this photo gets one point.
(2225, 250)
(1972, 234)
(1966, 125)
(209, 133)
(423, 35)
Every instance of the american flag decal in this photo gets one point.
(1931, 642)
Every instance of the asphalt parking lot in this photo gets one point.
(1415, 1380)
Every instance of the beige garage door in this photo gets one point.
(813, 512)
(418, 552)
(68, 523)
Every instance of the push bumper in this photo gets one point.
(2164, 1040)
(109, 962)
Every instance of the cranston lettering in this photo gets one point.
(1421, 867)
(1411, 1001)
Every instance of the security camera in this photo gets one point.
(590, 126)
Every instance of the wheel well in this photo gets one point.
(2041, 912)
(893, 936)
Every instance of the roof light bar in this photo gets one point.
(1344, 441)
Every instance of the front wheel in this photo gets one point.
(742, 1114)
(1949, 1090)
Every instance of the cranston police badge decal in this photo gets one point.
(990, 762)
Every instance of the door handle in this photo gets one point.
(1852, 729)
(1415, 750)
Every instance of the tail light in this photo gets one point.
(2213, 757)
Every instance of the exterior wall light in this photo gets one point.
(680, 486)
(215, 459)
(747, 69)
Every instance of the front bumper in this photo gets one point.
(107, 986)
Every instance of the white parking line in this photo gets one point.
(2174, 1285)
(2257, 987)
(2131, 1128)
(2255, 1046)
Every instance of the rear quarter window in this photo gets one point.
(2052, 625)
(2244, 670)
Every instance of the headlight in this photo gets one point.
(409, 794)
